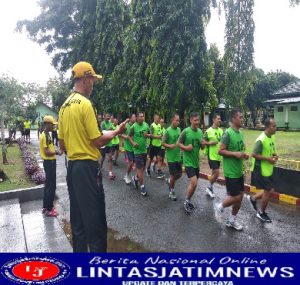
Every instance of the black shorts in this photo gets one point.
(130, 155)
(175, 168)
(27, 132)
(191, 172)
(114, 148)
(234, 186)
(154, 151)
(103, 151)
(214, 164)
(261, 182)
(163, 153)
(140, 160)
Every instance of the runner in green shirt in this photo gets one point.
(190, 141)
(106, 125)
(213, 137)
(264, 158)
(232, 149)
(129, 148)
(169, 141)
(139, 132)
(115, 144)
(155, 147)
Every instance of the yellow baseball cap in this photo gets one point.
(49, 119)
(82, 69)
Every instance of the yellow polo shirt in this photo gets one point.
(27, 125)
(78, 127)
(43, 145)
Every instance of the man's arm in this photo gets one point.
(180, 143)
(164, 141)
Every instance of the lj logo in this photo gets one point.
(36, 271)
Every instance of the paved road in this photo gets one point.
(160, 224)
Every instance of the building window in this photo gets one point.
(280, 108)
(294, 108)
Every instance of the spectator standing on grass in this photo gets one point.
(80, 137)
(27, 127)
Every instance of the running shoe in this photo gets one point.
(112, 176)
(52, 213)
(263, 216)
(210, 192)
(172, 196)
(218, 208)
(127, 179)
(143, 191)
(188, 206)
(234, 224)
(253, 203)
(135, 183)
(160, 175)
(148, 172)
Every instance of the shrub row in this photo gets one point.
(32, 168)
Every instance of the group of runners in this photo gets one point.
(146, 147)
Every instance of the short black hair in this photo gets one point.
(194, 115)
(130, 115)
(215, 115)
(140, 112)
(268, 122)
(234, 112)
(174, 115)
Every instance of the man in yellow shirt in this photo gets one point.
(80, 137)
(27, 127)
(48, 154)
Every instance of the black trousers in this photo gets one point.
(55, 137)
(87, 206)
(50, 184)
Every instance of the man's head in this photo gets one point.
(107, 117)
(270, 126)
(84, 76)
(156, 118)
(49, 123)
(140, 117)
(195, 120)
(175, 120)
(236, 118)
(99, 119)
(132, 118)
(216, 120)
(162, 122)
(112, 118)
(116, 121)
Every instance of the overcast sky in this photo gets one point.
(277, 42)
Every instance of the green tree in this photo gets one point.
(179, 69)
(11, 93)
(239, 50)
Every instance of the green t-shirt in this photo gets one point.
(116, 139)
(193, 137)
(127, 144)
(137, 132)
(213, 135)
(156, 130)
(171, 136)
(234, 141)
(106, 126)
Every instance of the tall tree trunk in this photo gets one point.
(4, 146)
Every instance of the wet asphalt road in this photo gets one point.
(159, 224)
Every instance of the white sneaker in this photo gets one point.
(219, 208)
(234, 224)
(209, 191)
(127, 179)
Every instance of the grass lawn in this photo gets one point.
(14, 170)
